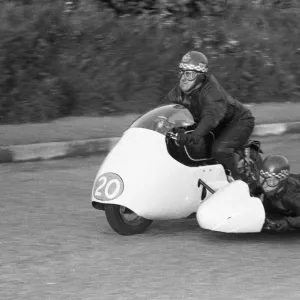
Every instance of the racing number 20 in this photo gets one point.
(108, 187)
(105, 187)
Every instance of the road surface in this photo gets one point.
(54, 245)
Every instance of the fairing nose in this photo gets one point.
(146, 178)
(231, 209)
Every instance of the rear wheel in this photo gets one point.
(124, 221)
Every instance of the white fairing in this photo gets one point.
(231, 209)
(155, 185)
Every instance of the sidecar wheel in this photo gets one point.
(124, 221)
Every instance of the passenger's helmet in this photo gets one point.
(194, 60)
(275, 165)
(275, 172)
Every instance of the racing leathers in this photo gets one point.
(284, 207)
(215, 110)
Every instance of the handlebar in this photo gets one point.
(172, 135)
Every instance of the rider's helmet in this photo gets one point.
(192, 69)
(274, 173)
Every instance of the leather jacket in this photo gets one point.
(211, 104)
(287, 203)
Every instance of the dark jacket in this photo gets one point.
(211, 104)
(289, 205)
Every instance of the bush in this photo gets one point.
(93, 62)
(31, 87)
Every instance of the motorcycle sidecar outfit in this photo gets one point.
(232, 210)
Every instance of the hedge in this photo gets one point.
(96, 60)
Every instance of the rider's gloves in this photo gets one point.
(178, 130)
(188, 139)
(182, 139)
(180, 135)
(185, 139)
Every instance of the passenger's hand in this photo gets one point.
(277, 226)
(269, 225)
(282, 225)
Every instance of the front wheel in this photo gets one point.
(124, 221)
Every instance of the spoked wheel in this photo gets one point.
(124, 221)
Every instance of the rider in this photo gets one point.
(213, 110)
(281, 194)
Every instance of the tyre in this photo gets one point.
(124, 221)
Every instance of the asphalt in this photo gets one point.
(87, 136)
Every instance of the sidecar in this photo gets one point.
(143, 178)
(232, 210)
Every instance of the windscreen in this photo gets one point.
(164, 118)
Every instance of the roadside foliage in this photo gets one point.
(93, 57)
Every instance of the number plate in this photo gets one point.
(108, 187)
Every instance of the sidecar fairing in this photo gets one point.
(141, 174)
(232, 210)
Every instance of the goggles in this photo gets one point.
(190, 75)
(271, 181)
